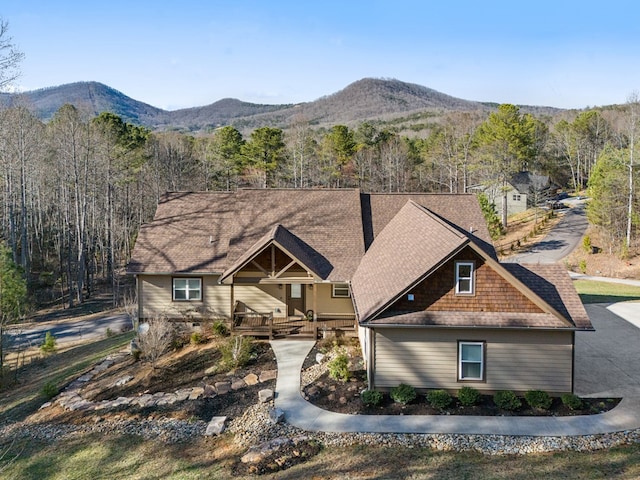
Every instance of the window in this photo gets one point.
(464, 278)
(187, 289)
(296, 290)
(341, 290)
(471, 361)
(516, 198)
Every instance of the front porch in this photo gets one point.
(265, 324)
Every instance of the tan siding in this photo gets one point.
(157, 298)
(327, 304)
(263, 298)
(515, 360)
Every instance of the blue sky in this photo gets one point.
(569, 54)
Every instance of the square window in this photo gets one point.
(187, 289)
(340, 290)
(465, 278)
(471, 361)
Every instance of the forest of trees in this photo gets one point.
(75, 190)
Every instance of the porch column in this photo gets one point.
(315, 311)
(140, 300)
(232, 297)
(315, 301)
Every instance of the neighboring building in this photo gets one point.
(415, 274)
(524, 190)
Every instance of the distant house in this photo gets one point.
(523, 190)
(414, 275)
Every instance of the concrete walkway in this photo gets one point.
(290, 356)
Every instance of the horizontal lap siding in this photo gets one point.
(263, 298)
(515, 360)
(326, 304)
(157, 298)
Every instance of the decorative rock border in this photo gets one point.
(71, 399)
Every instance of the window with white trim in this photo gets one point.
(187, 289)
(471, 361)
(341, 290)
(465, 278)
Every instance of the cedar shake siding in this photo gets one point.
(517, 360)
(492, 292)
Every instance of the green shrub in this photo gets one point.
(538, 399)
(439, 399)
(371, 398)
(196, 338)
(220, 329)
(583, 266)
(403, 394)
(236, 352)
(49, 390)
(339, 368)
(468, 396)
(49, 344)
(507, 400)
(571, 401)
(586, 244)
(109, 333)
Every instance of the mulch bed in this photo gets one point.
(344, 397)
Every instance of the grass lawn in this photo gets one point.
(605, 292)
(114, 457)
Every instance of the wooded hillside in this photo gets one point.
(76, 189)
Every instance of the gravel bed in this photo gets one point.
(255, 427)
(164, 430)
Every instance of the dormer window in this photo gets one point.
(465, 278)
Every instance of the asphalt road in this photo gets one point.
(560, 241)
(67, 331)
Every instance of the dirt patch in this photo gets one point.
(345, 397)
(279, 454)
(603, 262)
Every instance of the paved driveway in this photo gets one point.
(607, 361)
(560, 241)
(67, 331)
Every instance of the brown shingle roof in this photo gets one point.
(208, 232)
(408, 235)
(188, 234)
(552, 283)
(471, 319)
(460, 211)
(410, 246)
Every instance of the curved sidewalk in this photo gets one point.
(290, 355)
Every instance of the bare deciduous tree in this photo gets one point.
(10, 57)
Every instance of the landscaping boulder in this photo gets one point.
(216, 426)
(276, 415)
(265, 395)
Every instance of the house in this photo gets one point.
(523, 190)
(415, 275)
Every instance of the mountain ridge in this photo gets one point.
(367, 99)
